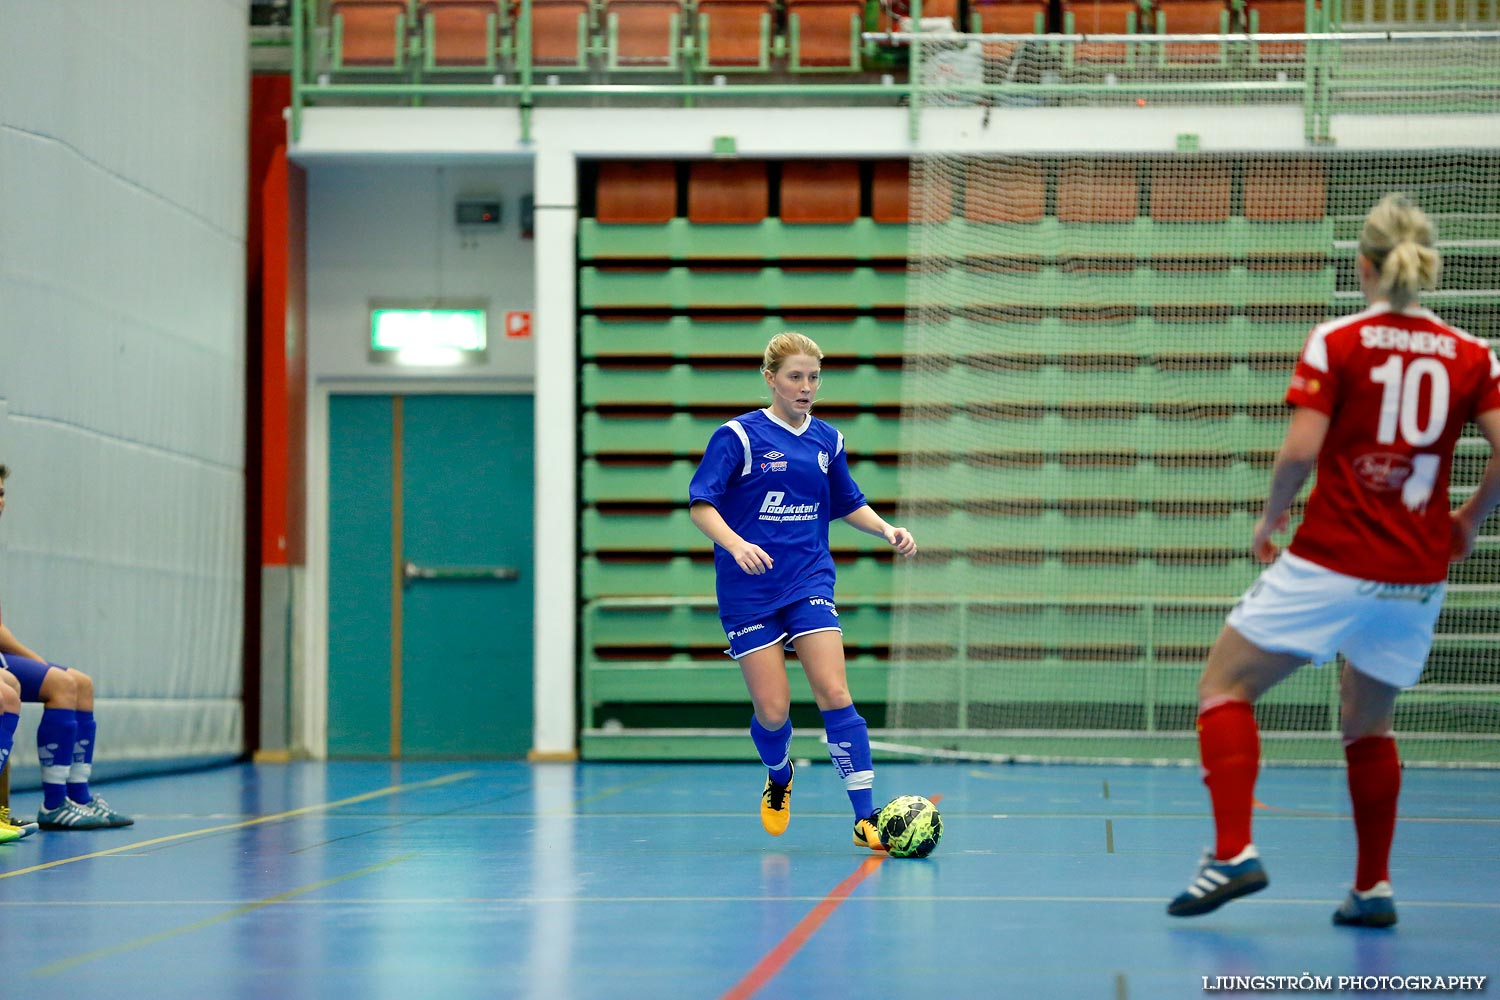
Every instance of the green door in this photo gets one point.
(430, 576)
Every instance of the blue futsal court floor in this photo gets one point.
(456, 879)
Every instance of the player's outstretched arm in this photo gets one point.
(1294, 463)
(871, 523)
(1468, 518)
(747, 555)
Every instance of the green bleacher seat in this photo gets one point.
(666, 482)
(673, 531)
(686, 434)
(684, 337)
(684, 576)
(680, 240)
(1143, 336)
(750, 288)
(685, 385)
(982, 285)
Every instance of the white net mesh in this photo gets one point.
(1098, 347)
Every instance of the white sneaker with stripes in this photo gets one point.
(1217, 882)
(70, 816)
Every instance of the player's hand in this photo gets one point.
(1461, 537)
(1260, 542)
(901, 540)
(751, 558)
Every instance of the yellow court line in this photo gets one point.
(218, 918)
(589, 800)
(363, 797)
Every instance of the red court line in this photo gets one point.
(771, 963)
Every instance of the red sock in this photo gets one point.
(1374, 785)
(1229, 743)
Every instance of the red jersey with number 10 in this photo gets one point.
(1398, 387)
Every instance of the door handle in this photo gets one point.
(411, 572)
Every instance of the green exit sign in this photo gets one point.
(427, 337)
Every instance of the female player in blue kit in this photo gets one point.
(770, 482)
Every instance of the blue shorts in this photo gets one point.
(30, 673)
(812, 614)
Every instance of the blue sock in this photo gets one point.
(83, 758)
(8, 723)
(54, 746)
(849, 746)
(775, 748)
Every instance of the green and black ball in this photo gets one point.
(910, 826)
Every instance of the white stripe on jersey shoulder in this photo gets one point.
(739, 431)
(798, 431)
(1458, 332)
(1315, 352)
(838, 449)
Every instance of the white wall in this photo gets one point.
(122, 208)
(386, 231)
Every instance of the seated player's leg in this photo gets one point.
(56, 688)
(763, 665)
(83, 754)
(83, 740)
(10, 717)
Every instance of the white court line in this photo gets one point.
(636, 900)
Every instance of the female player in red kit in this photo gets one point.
(1379, 398)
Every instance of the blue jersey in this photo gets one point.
(777, 486)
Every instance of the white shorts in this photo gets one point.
(1383, 629)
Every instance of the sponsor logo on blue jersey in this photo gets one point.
(775, 461)
(773, 509)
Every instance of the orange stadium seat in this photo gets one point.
(890, 195)
(1285, 191)
(890, 191)
(1280, 17)
(734, 34)
(640, 191)
(1101, 17)
(1192, 17)
(461, 33)
(732, 191)
(824, 33)
(369, 33)
(1097, 191)
(1005, 191)
(1008, 17)
(642, 33)
(896, 16)
(942, 8)
(1190, 192)
(824, 191)
(559, 32)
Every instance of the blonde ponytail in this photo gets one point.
(1398, 239)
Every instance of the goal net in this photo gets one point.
(1098, 344)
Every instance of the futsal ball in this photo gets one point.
(910, 826)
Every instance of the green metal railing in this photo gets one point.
(1318, 77)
